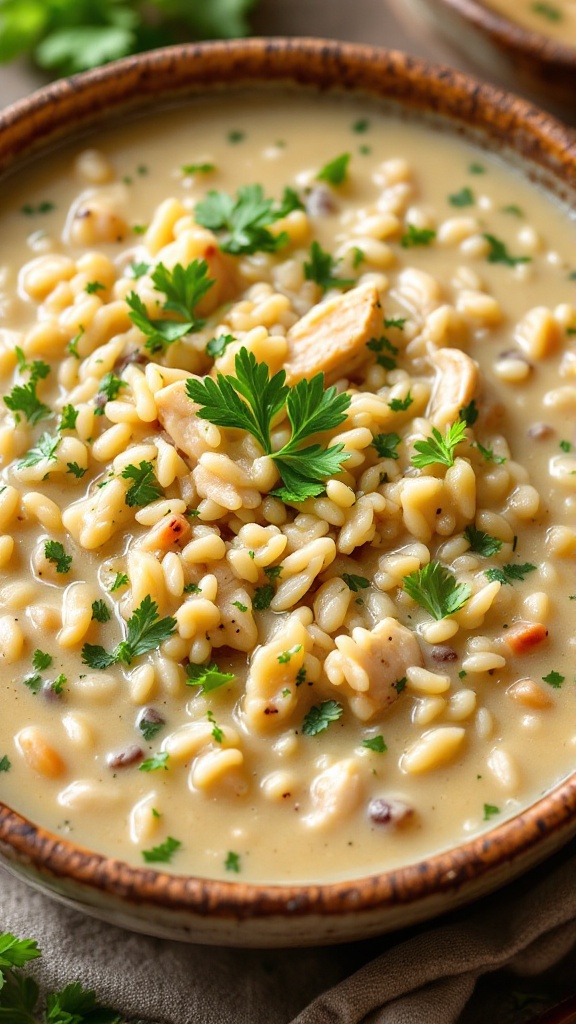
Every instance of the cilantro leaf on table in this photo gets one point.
(16, 952)
(435, 589)
(321, 269)
(145, 487)
(184, 288)
(321, 716)
(438, 450)
(311, 409)
(241, 223)
(145, 632)
(209, 677)
(77, 1005)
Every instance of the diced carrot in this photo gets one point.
(523, 636)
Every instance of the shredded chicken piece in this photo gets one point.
(371, 663)
(177, 414)
(335, 794)
(332, 336)
(454, 387)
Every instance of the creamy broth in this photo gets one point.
(553, 18)
(312, 762)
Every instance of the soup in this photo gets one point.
(555, 19)
(287, 506)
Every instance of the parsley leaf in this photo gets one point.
(163, 853)
(386, 445)
(45, 448)
(547, 10)
(54, 552)
(382, 346)
(110, 387)
(23, 398)
(321, 269)
(232, 862)
(488, 454)
(145, 632)
(465, 197)
(75, 470)
(16, 952)
(94, 286)
(310, 409)
(499, 253)
(262, 597)
(509, 573)
(209, 677)
(489, 811)
(286, 656)
(41, 660)
(155, 763)
(241, 223)
(437, 449)
(120, 581)
(435, 588)
(184, 287)
(68, 418)
(554, 679)
(469, 413)
(320, 716)
(417, 236)
(145, 487)
(482, 543)
(217, 346)
(5, 766)
(335, 172)
(198, 168)
(401, 404)
(33, 682)
(100, 611)
(355, 583)
(375, 743)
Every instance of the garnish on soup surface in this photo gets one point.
(287, 499)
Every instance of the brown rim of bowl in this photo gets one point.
(510, 35)
(176, 72)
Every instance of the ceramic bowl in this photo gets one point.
(518, 58)
(235, 913)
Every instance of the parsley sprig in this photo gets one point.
(145, 632)
(144, 488)
(438, 449)
(321, 269)
(252, 399)
(242, 222)
(321, 716)
(510, 573)
(434, 588)
(209, 677)
(184, 287)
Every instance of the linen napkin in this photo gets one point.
(432, 974)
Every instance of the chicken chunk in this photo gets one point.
(332, 336)
(177, 414)
(371, 663)
(454, 387)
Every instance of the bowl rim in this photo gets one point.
(40, 119)
(511, 34)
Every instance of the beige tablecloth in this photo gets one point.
(503, 960)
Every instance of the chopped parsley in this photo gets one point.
(547, 10)
(386, 445)
(145, 632)
(321, 269)
(33, 682)
(335, 172)
(217, 346)
(385, 352)
(148, 728)
(566, 446)
(75, 470)
(72, 346)
(138, 270)
(68, 418)
(290, 201)
(155, 763)
(554, 679)
(120, 581)
(198, 168)
(285, 656)
(499, 253)
(40, 660)
(100, 611)
(163, 853)
(311, 409)
(465, 197)
(397, 321)
(217, 732)
(489, 811)
(435, 588)
(400, 684)
(321, 716)
(184, 287)
(242, 222)
(232, 862)
(509, 573)
(45, 448)
(488, 454)
(209, 677)
(59, 684)
(23, 399)
(417, 236)
(301, 676)
(361, 126)
(144, 488)
(55, 553)
(476, 169)
(110, 387)
(375, 743)
(482, 543)
(515, 211)
(234, 136)
(273, 571)
(241, 607)
(94, 286)
(5, 766)
(437, 449)
(401, 404)
(262, 597)
(469, 413)
(192, 588)
(45, 206)
(355, 583)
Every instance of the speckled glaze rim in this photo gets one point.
(514, 37)
(59, 111)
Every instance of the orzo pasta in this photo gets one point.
(287, 506)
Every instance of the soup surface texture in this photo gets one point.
(258, 623)
(553, 18)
